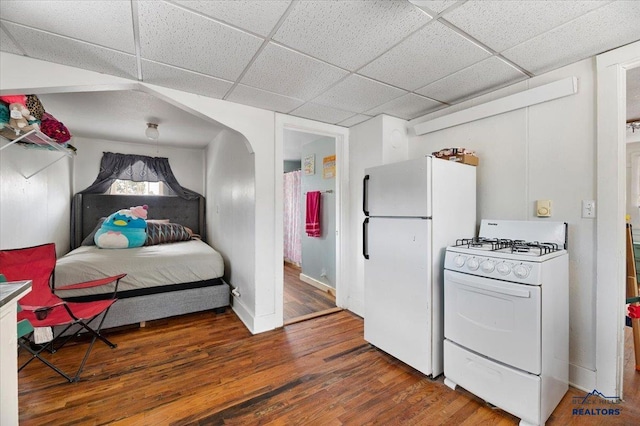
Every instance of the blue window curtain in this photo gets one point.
(138, 168)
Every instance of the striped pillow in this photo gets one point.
(160, 233)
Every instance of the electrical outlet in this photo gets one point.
(588, 209)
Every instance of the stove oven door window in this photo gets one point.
(496, 319)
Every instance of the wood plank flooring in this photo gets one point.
(208, 369)
(302, 300)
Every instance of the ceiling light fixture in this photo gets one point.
(152, 131)
(633, 125)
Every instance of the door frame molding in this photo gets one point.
(610, 223)
(341, 137)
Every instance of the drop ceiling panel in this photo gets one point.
(407, 107)
(434, 5)
(426, 56)
(615, 24)
(490, 74)
(7, 45)
(256, 16)
(356, 119)
(262, 99)
(349, 33)
(177, 37)
(66, 51)
(503, 24)
(281, 70)
(128, 112)
(321, 113)
(180, 79)
(105, 23)
(358, 94)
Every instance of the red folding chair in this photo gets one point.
(42, 308)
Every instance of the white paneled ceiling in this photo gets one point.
(335, 61)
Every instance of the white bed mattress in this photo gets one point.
(149, 266)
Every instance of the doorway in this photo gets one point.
(309, 225)
(610, 236)
(630, 378)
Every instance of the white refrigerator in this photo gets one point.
(414, 209)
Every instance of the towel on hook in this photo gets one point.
(312, 224)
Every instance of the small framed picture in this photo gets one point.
(329, 167)
(309, 164)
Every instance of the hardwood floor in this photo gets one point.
(208, 369)
(302, 300)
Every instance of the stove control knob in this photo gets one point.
(503, 268)
(473, 264)
(521, 271)
(459, 261)
(488, 266)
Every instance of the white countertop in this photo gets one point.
(11, 290)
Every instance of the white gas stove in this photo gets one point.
(506, 316)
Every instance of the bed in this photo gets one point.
(162, 280)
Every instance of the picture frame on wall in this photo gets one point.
(329, 167)
(309, 164)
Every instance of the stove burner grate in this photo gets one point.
(515, 246)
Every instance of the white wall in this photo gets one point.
(37, 210)
(633, 187)
(319, 253)
(187, 164)
(230, 194)
(546, 151)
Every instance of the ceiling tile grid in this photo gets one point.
(347, 59)
(615, 24)
(322, 113)
(516, 22)
(356, 119)
(105, 23)
(349, 33)
(256, 16)
(181, 79)
(174, 36)
(262, 99)
(281, 70)
(489, 74)
(67, 51)
(426, 56)
(358, 94)
(407, 107)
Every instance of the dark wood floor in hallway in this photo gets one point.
(208, 369)
(302, 300)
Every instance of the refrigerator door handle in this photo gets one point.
(365, 186)
(365, 228)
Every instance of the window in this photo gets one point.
(129, 187)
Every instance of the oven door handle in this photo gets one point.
(516, 292)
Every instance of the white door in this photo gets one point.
(398, 189)
(497, 319)
(398, 289)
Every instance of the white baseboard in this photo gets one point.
(317, 284)
(582, 378)
(243, 313)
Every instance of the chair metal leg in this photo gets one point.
(26, 344)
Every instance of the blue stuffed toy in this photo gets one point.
(125, 228)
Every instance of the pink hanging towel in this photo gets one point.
(312, 224)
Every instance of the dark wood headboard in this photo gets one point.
(89, 208)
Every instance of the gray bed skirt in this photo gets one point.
(137, 309)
